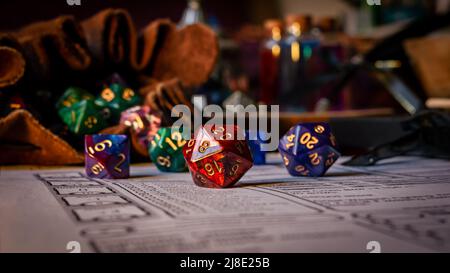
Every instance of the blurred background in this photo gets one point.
(287, 52)
(316, 59)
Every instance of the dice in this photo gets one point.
(255, 140)
(216, 157)
(107, 156)
(166, 151)
(309, 149)
(143, 123)
(84, 117)
(117, 97)
(71, 96)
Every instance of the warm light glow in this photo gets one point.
(15, 106)
(276, 50)
(295, 51)
(296, 29)
(276, 34)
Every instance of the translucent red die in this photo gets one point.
(218, 156)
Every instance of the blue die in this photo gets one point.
(255, 139)
(309, 149)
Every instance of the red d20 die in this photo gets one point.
(218, 157)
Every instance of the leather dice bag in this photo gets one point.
(39, 61)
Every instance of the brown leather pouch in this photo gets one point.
(25, 141)
(161, 51)
(12, 62)
(111, 37)
(51, 47)
(162, 58)
(188, 54)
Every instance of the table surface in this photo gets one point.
(402, 204)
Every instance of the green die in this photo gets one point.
(117, 98)
(166, 151)
(84, 117)
(73, 95)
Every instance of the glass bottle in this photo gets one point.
(269, 62)
(297, 49)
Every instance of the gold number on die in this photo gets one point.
(99, 147)
(319, 129)
(164, 161)
(108, 95)
(122, 160)
(315, 159)
(97, 168)
(308, 140)
(205, 145)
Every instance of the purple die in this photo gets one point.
(107, 156)
(309, 149)
(143, 122)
